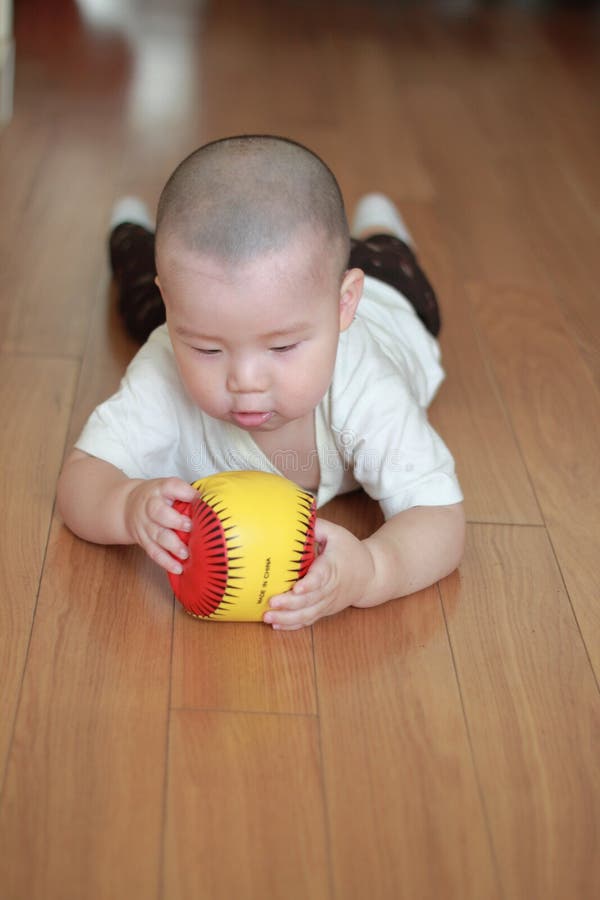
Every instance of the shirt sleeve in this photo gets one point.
(137, 429)
(386, 439)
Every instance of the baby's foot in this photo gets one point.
(376, 214)
(131, 210)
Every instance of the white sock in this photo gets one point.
(377, 210)
(131, 209)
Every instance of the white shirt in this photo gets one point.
(371, 426)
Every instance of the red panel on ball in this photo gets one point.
(203, 582)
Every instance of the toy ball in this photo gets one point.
(252, 537)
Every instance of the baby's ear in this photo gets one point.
(350, 294)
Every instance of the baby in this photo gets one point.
(280, 354)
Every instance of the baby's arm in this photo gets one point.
(414, 549)
(100, 503)
(410, 551)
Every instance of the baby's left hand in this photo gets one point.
(338, 577)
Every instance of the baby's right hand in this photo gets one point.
(150, 519)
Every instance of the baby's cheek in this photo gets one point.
(311, 382)
(207, 392)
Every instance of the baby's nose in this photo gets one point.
(246, 376)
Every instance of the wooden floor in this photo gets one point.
(442, 746)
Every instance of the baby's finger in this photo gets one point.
(164, 559)
(292, 618)
(168, 540)
(177, 489)
(287, 601)
(169, 517)
(316, 577)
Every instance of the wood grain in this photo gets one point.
(83, 800)
(532, 712)
(554, 405)
(36, 397)
(245, 816)
(469, 410)
(405, 812)
(49, 304)
(560, 216)
(479, 208)
(242, 667)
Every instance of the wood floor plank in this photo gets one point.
(50, 303)
(521, 78)
(35, 398)
(403, 802)
(550, 171)
(242, 666)
(23, 147)
(554, 405)
(564, 226)
(245, 814)
(533, 713)
(268, 99)
(525, 140)
(388, 155)
(558, 112)
(576, 46)
(479, 210)
(468, 412)
(83, 801)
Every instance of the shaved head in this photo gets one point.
(240, 197)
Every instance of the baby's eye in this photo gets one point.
(285, 348)
(206, 351)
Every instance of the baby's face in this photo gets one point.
(255, 344)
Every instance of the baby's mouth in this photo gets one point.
(251, 419)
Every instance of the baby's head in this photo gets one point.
(252, 248)
(241, 197)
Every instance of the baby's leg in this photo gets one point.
(131, 248)
(383, 248)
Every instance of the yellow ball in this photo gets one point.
(252, 537)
